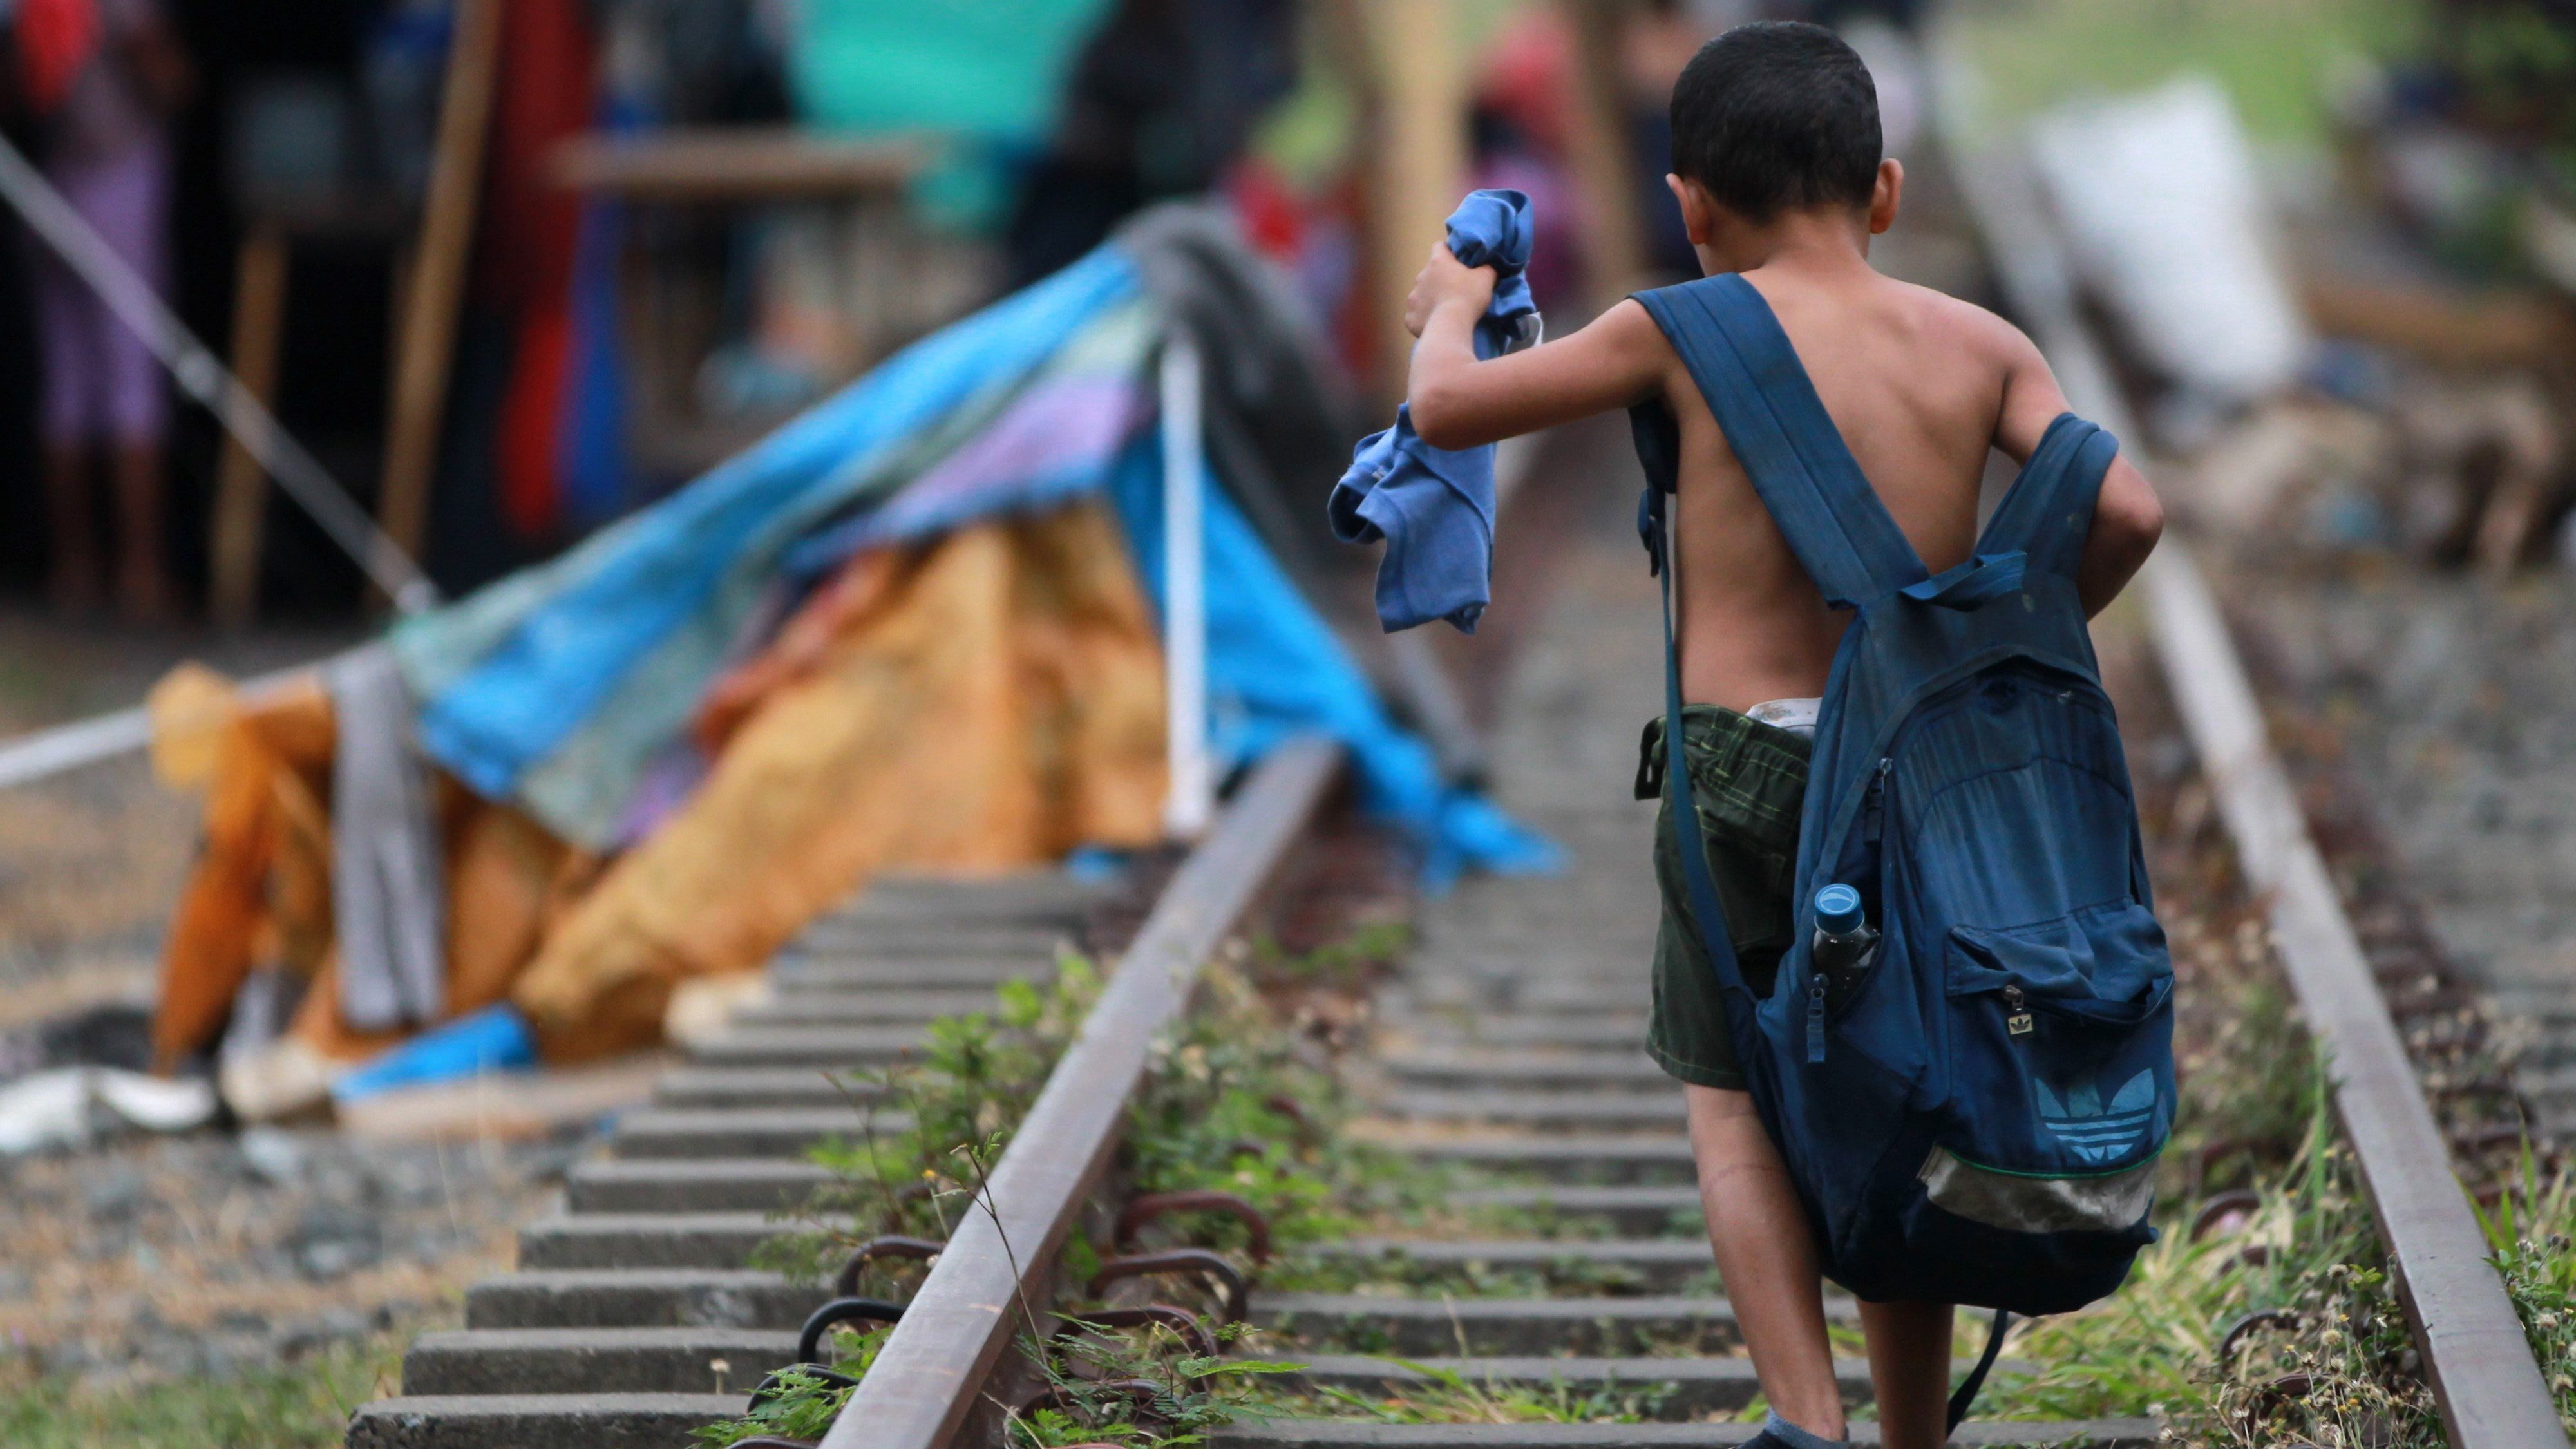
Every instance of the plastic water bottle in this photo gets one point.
(1844, 942)
(1843, 946)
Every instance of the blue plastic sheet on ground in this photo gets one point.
(495, 1039)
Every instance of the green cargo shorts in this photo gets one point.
(1748, 782)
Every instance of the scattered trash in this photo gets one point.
(71, 1106)
(2162, 206)
(703, 1005)
(272, 1155)
(286, 1079)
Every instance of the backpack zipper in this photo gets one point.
(1815, 1017)
(1873, 806)
(2018, 1022)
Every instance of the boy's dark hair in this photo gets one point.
(1778, 113)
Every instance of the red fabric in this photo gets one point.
(531, 228)
(56, 39)
(1528, 76)
(1267, 210)
(529, 443)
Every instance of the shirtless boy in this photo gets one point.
(1777, 166)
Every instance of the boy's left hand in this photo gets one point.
(1445, 280)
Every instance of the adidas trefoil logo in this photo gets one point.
(2097, 1134)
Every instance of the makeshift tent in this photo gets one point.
(910, 629)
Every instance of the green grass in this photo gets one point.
(1448, 1397)
(2274, 57)
(304, 1405)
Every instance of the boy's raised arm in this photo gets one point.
(2127, 517)
(1460, 402)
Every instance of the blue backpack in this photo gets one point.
(1976, 1119)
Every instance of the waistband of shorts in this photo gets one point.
(1720, 739)
(1715, 732)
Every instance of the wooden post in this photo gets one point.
(241, 486)
(1420, 155)
(1598, 152)
(437, 283)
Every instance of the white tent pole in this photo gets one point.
(1192, 801)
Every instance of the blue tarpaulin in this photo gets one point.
(557, 688)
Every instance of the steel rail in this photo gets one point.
(2479, 1362)
(926, 1378)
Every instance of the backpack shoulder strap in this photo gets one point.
(1699, 880)
(2048, 512)
(1767, 407)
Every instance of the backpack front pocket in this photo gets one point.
(2060, 1042)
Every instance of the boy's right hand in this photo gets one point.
(1444, 280)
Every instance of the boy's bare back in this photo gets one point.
(1918, 385)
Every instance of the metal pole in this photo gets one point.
(1192, 801)
(43, 754)
(210, 383)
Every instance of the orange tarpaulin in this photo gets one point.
(983, 702)
(992, 701)
(261, 891)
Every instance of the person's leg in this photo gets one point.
(1766, 1258)
(73, 570)
(1749, 780)
(129, 205)
(66, 336)
(142, 587)
(1909, 1368)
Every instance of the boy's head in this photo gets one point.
(1777, 115)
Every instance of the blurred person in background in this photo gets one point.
(98, 80)
(1158, 103)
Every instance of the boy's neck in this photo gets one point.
(1821, 242)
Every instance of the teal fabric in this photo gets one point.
(987, 74)
(992, 69)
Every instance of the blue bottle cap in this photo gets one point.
(1837, 909)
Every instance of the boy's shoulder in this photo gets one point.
(1887, 307)
(1882, 325)
(1925, 321)
(1957, 322)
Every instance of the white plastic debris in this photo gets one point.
(69, 1105)
(2165, 215)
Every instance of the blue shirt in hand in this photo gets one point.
(1435, 507)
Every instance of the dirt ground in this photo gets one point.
(153, 1257)
(202, 1253)
(90, 861)
(2453, 703)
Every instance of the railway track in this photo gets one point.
(2376, 991)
